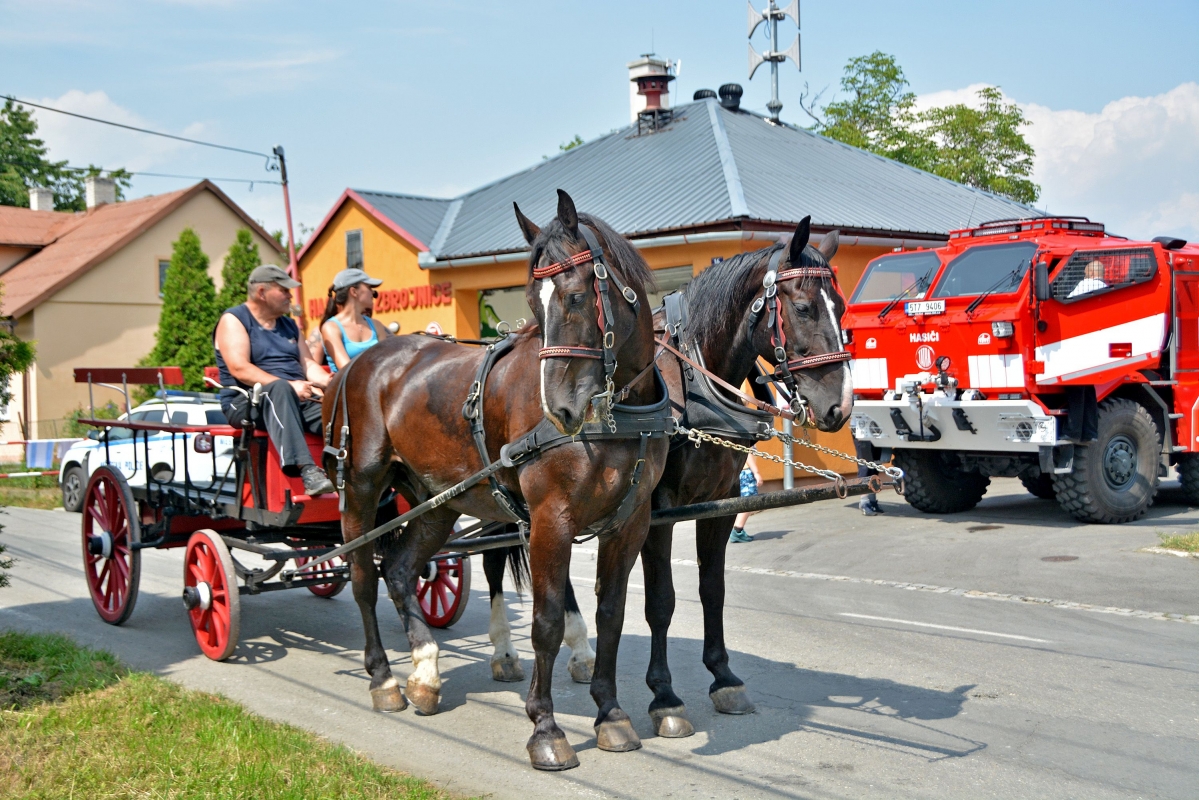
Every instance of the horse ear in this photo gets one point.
(527, 227)
(829, 244)
(800, 240)
(567, 214)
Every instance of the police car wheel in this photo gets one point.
(936, 483)
(1114, 477)
(73, 484)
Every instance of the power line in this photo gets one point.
(139, 130)
(250, 181)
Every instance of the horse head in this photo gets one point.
(586, 288)
(801, 330)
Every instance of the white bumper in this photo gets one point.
(1003, 426)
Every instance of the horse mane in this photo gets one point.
(718, 297)
(632, 267)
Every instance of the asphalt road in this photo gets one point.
(889, 657)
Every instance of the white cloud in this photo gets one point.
(81, 142)
(1133, 165)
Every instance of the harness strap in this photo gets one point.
(753, 401)
(342, 451)
(472, 411)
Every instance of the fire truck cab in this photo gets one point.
(1044, 349)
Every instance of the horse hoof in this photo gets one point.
(580, 669)
(551, 753)
(615, 734)
(388, 698)
(732, 700)
(423, 697)
(671, 723)
(507, 669)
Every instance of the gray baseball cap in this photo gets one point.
(269, 273)
(351, 277)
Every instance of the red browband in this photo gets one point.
(562, 351)
(814, 361)
(804, 272)
(551, 270)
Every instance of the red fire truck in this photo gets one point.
(1044, 349)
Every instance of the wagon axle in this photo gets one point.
(100, 544)
(198, 596)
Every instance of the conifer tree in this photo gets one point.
(239, 263)
(189, 314)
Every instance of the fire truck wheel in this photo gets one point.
(1114, 477)
(1041, 485)
(1188, 474)
(936, 483)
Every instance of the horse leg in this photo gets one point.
(361, 501)
(505, 664)
(667, 711)
(581, 665)
(422, 538)
(727, 692)
(549, 553)
(617, 553)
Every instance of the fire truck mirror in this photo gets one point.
(1041, 281)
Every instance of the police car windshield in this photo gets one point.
(976, 270)
(891, 276)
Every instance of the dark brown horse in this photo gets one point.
(729, 336)
(407, 429)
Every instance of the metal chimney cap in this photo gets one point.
(730, 95)
(703, 94)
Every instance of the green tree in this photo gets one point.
(189, 315)
(981, 147)
(24, 163)
(239, 263)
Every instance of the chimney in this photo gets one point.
(100, 191)
(730, 96)
(41, 198)
(648, 84)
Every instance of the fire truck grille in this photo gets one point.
(1091, 271)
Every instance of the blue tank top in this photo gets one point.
(275, 352)
(353, 348)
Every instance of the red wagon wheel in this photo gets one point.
(210, 594)
(324, 589)
(110, 530)
(443, 590)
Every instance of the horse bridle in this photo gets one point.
(784, 367)
(603, 305)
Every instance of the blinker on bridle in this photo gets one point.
(602, 303)
(778, 336)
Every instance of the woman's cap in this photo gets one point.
(269, 273)
(350, 277)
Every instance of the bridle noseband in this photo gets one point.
(778, 336)
(603, 305)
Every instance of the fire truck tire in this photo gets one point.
(1041, 485)
(1115, 477)
(1188, 474)
(936, 484)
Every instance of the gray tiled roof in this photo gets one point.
(710, 165)
(420, 216)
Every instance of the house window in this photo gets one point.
(354, 249)
(162, 275)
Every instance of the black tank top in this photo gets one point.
(275, 352)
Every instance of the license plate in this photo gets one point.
(916, 308)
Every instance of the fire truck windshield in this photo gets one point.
(891, 276)
(976, 270)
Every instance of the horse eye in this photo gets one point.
(804, 308)
(576, 299)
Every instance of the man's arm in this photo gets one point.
(234, 344)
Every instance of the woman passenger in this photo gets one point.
(347, 327)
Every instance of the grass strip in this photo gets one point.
(40, 492)
(142, 736)
(1186, 542)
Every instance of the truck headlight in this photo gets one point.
(1002, 330)
(863, 427)
(1021, 428)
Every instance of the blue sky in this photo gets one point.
(439, 97)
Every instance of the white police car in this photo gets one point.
(127, 452)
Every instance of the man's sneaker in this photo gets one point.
(740, 536)
(869, 506)
(315, 481)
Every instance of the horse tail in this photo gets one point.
(518, 567)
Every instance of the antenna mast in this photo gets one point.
(771, 17)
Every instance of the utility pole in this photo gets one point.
(771, 17)
(293, 269)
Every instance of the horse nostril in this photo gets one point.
(834, 415)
